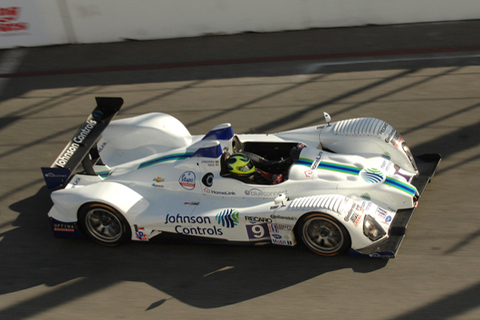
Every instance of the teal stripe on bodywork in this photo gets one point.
(330, 166)
(397, 184)
(172, 157)
(103, 174)
(305, 162)
(339, 168)
(401, 186)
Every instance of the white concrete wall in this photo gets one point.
(91, 21)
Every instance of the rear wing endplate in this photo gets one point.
(80, 149)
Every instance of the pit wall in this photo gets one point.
(52, 22)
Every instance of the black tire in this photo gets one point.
(104, 224)
(323, 234)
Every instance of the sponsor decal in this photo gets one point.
(187, 219)
(308, 173)
(196, 230)
(221, 193)
(227, 218)
(350, 212)
(257, 231)
(101, 147)
(317, 161)
(156, 185)
(97, 114)
(272, 228)
(276, 236)
(208, 179)
(84, 131)
(253, 219)
(355, 214)
(53, 175)
(67, 153)
(366, 205)
(213, 231)
(9, 20)
(383, 128)
(386, 165)
(255, 192)
(194, 203)
(372, 175)
(276, 216)
(276, 227)
(396, 140)
(381, 212)
(390, 135)
(187, 180)
(73, 145)
(76, 182)
(388, 219)
(381, 255)
(211, 163)
(140, 233)
(63, 227)
(366, 196)
(282, 242)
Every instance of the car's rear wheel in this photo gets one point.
(323, 234)
(104, 224)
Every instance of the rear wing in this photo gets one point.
(80, 149)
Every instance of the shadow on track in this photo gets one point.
(204, 276)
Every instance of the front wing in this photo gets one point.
(427, 165)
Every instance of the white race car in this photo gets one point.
(350, 185)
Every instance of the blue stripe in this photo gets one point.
(356, 171)
(103, 174)
(399, 185)
(345, 169)
(307, 163)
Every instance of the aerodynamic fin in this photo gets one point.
(81, 148)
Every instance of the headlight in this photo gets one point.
(372, 229)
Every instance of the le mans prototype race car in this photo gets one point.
(350, 185)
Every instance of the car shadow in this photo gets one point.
(204, 276)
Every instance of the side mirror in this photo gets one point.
(281, 200)
(327, 118)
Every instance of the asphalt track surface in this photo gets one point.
(423, 79)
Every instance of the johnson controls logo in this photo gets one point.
(372, 175)
(227, 218)
(9, 20)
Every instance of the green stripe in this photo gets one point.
(391, 182)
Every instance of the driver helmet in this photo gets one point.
(239, 164)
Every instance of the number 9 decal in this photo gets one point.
(258, 231)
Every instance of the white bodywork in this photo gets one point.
(162, 179)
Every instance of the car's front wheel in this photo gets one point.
(323, 234)
(104, 224)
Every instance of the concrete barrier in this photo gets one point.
(47, 22)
